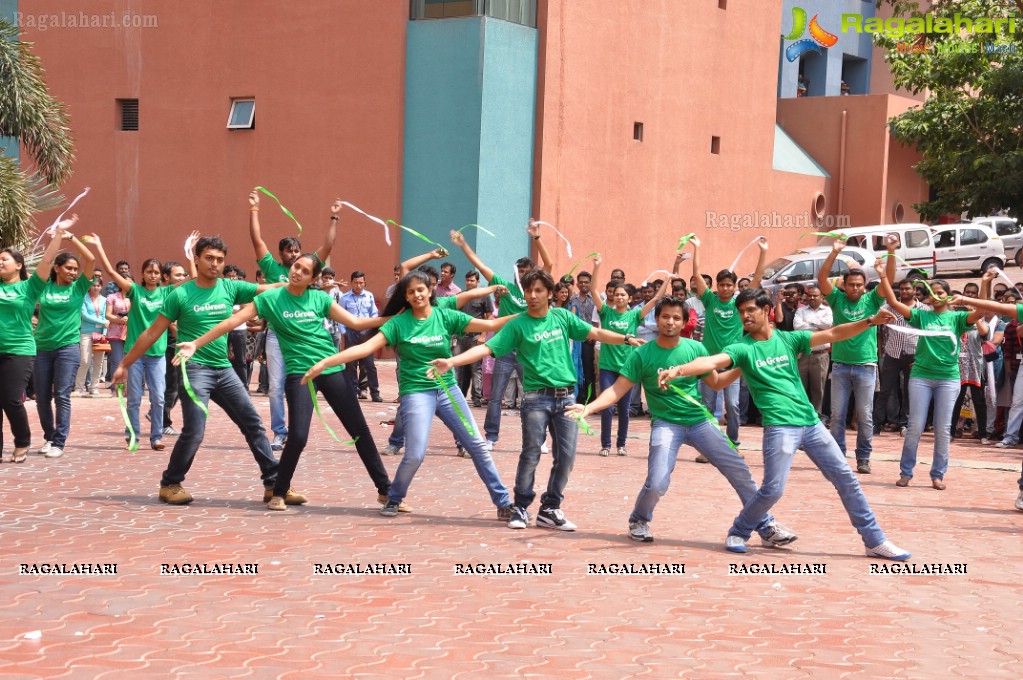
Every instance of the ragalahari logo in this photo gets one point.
(818, 36)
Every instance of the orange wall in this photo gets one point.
(605, 66)
(876, 176)
(327, 76)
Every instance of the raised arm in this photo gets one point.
(413, 262)
(652, 302)
(758, 273)
(701, 285)
(86, 258)
(459, 240)
(59, 234)
(328, 239)
(254, 233)
(594, 295)
(353, 353)
(822, 276)
(891, 243)
(193, 268)
(986, 281)
(545, 261)
(884, 287)
(185, 350)
(122, 283)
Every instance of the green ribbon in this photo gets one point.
(478, 228)
(418, 235)
(584, 427)
(899, 259)
(285, 210)
(133, 442)
(188, 387)
(684, 240)
(832, 234)
(710, 416)
(931, 291)
(579, 263)
(458, 409)
(316, 407)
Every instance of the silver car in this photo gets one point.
(803, 265)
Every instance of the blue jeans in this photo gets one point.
(503, 369)
(608, 378)
(275, 365)
(1015, 418)
(222, 386)
(542, 411)
(731, 394)
(857, 380)
(113, 361)
(55, 373)
(418, 410)
(397, 436)
(780, 444)
(155, 371)
(666, 439)
(921, 392)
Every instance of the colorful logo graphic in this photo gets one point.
(818, 36)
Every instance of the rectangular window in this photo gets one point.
(129, 114)
(722, 4)
(637, 131)
(715, 145)
(243, 114)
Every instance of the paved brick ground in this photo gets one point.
(98, 505)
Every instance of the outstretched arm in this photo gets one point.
(488, 325)
(254, 233)
(608, 397)
(470, 356)
(142, 343)
(611, 338)
(358, 323)
(353, 353)
(479, 291)
(459, 240)
(694, 368)
(847, 330)
(122, 283)
(185, 350)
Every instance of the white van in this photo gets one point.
(916, 246)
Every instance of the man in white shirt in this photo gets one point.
(813, 367)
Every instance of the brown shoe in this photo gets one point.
(292, 497)
(938, 484)
(175, 495)
(159, 446)
(402, 507)
(277, 503)
(903, 481)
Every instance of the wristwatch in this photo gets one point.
(628, 336)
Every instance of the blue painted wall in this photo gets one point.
(470, 99)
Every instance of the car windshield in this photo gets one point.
(777, 265)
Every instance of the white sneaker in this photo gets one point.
(544, 449)
(888, 551)
(490, 445)
(45, 448)
(736, 544)
(1005, 444)
(54, 452)
(1019, 501)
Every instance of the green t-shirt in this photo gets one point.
(198, 309)
(647, 361)
(420, 341)
(1019, 312)
(861, 348)
(612, 357)
(721, 323)
(60, 314)
(17, 302)
(935, 358)
(771, 370)
(274, 271)
(512, 303)
(298, 323)
(543, 348)
(446, 302)
(145, 307)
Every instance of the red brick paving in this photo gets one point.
(98, 504)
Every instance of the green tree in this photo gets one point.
(39, 123)
(970, 127)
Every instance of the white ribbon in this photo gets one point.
(909, 330)
(190, 247)
(741, 252)
(387, 230)
(53, 227)
(998, 270)
(568, 244)
(655, 272)
(518, 282)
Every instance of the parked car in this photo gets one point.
(803, 265)
(966, 247)
(1011, 233)
(916, 246)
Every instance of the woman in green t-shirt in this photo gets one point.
(420, 333)
(58, 338)
(617, 316)
(296, 314)
(19, 294)
(935, 374)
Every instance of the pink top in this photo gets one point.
(117, 304)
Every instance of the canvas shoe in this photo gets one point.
(888, 551)
(736, 544)
(553, 518)
(382, 500)
(776, 535)
(45, 448)
(639, 530)
(54, 452)
(390, 510)
(519, 518)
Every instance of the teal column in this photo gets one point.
(8, 145)
(470, 111)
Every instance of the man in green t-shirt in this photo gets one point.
(540, 338)
(721, 327)
(768, 359)
(510, 303)
(198, 306)
(854, 361)
(678, 419)
(277, 272)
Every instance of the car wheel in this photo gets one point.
(1019, 258)
(991, 262)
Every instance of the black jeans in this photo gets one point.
(979, 408)
(237, 340)
(172, 388)
(588, 380)
(366, 365)
(341, 397)
(894, 382)
(15, 370)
